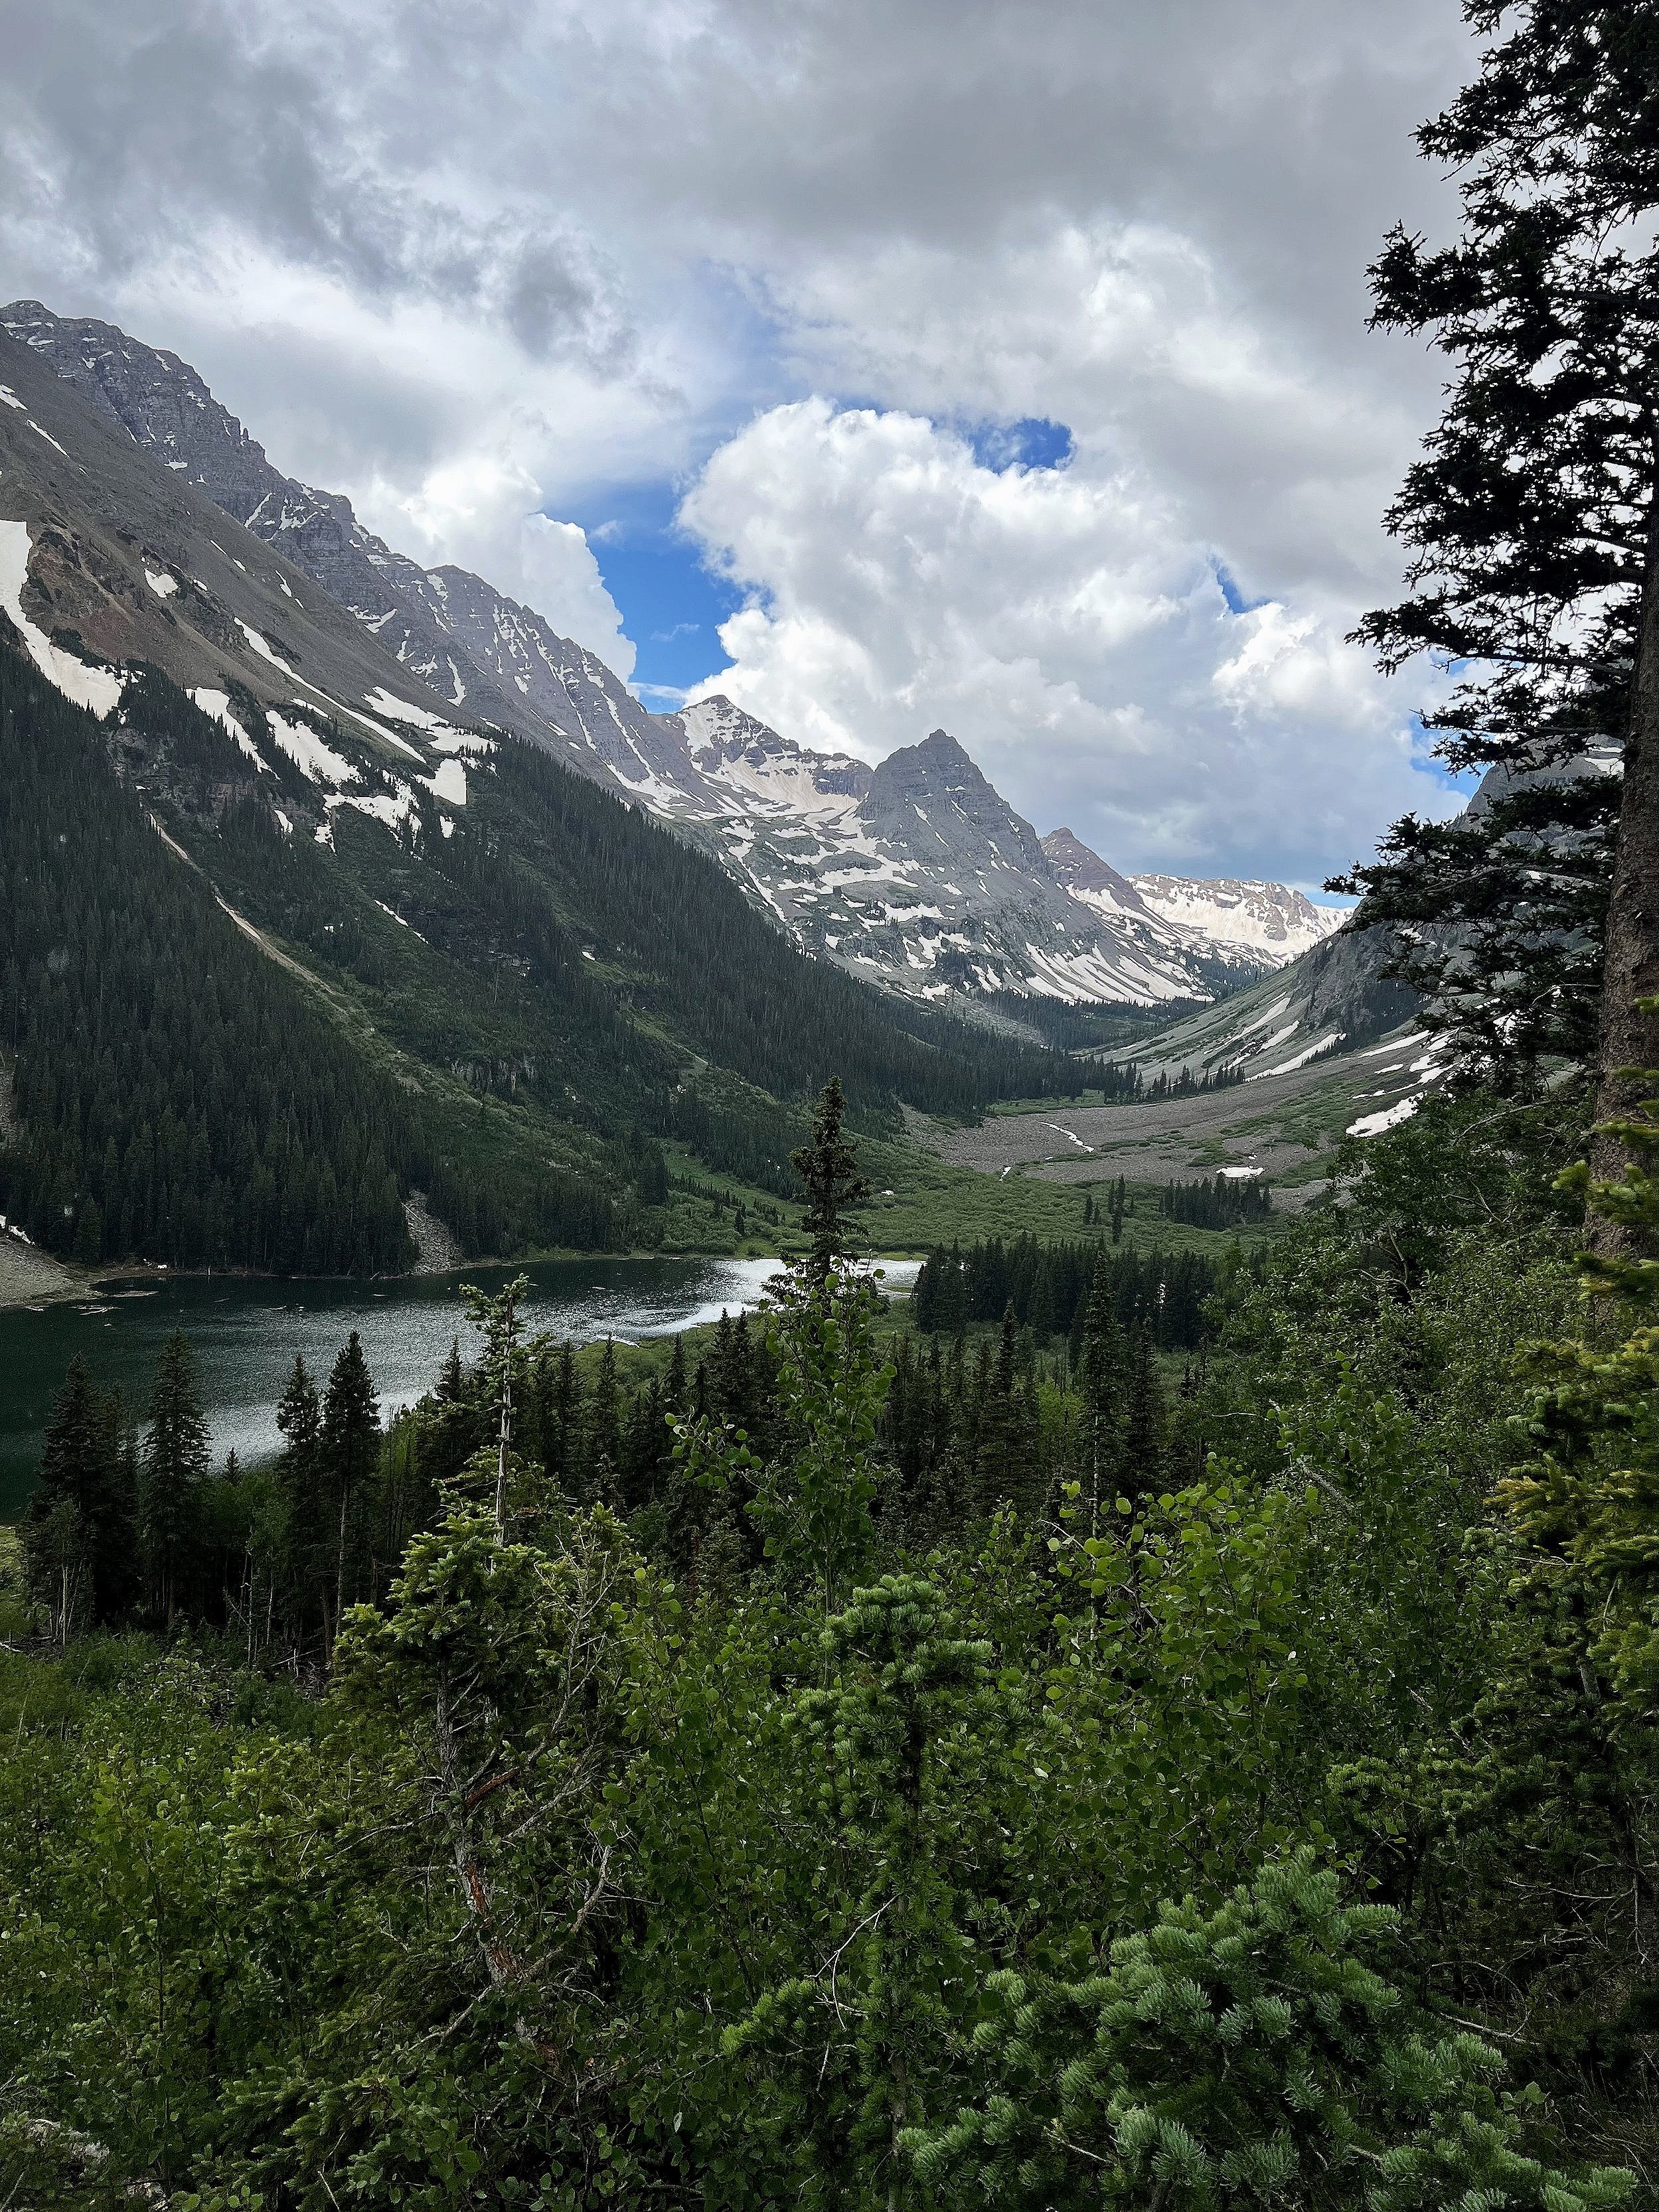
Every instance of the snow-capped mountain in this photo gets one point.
(1254, 923)
(915, 874)
(1246, 924)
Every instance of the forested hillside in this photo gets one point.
(182, 1097)
(173, 1092)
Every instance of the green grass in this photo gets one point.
(935, 1203)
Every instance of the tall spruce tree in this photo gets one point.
(350, 1447)
(175, 1467)
(1533, 567)
(1100, 1386)
(79, 1533)
(828, 1167)
(305, 1514)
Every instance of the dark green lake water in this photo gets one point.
(246, 1335)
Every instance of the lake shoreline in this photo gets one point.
(30, 1278)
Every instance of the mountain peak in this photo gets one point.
(1085, 875)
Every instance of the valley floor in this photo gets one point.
(1284, 1124)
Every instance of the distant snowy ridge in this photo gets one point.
(1255, 925)
(1268, 920)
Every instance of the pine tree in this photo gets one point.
(504, 1376)
(300, 1482)
(559, 1420)
(176, 1459)
(1143, 1418)
(1529, 524)
(1007, 1441)
(89, 1234)
(604, 1429)
(1100, 1387)
(828, 1167)
(82, 1512)
(674, 1394)
(349, 1448)
(451, 1386)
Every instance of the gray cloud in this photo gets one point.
(460, 261)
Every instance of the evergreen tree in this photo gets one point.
(349, 1448)
(451, 1386)
(89, 1247)
(503, 1376)
(675, 1391)
(174, 1470)
(79, 1533)
(1529, 527)
(559, 1419)
(604, 1429)
(1007, 1442)
(1100, 1389)
(300, 1482)
(828, 1167)
(1143, 1419)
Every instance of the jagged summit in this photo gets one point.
(1243, 920)
(1086, 876)
(1246, 924)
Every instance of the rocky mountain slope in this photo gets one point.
(1246, 924)
(915, 874)
(537, 986)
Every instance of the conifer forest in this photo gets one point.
(1163, 1717)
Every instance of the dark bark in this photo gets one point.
(1630, 1036)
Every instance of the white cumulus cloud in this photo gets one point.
(1063, 624)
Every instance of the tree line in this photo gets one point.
(1047, 1288)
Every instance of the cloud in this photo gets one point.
(470, 266)
(1060, 622)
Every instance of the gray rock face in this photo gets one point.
(475, 649)
(1085, 875)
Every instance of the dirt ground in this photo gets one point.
(1284, 1124)
(28, 1277)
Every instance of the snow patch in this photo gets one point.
(449, 783)
(386, 702)
(98, 689)
(261, 646)
(163, 585)
(1290, 1067)
(217, 704)
(308, 753)
(1373, 1125)
(380, 729)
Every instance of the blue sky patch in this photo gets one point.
(1237, 602)
(1032, 442)
(671, 606)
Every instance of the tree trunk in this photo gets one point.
(1630, 974)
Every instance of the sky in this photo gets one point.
(885, 365)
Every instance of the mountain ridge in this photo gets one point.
(849, 859)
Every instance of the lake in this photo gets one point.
(246, 1334)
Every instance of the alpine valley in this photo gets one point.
(534, 954)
